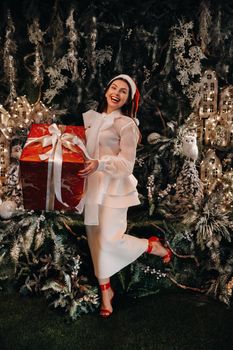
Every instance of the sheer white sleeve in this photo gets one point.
(122, 164)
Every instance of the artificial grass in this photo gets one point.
(165, 321)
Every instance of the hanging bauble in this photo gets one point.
(7, 209)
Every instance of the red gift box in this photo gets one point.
(49, 166)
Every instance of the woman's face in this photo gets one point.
(117, 95)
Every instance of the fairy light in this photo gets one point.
(152, 271)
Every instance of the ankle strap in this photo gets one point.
(149, 247)
(105, 286)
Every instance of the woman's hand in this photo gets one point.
(90, 168)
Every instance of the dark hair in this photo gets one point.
(127, 109)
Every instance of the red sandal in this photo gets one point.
(105, 312)
(166, 258)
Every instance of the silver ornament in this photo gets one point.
(7, 209)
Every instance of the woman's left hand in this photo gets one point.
(90, 168)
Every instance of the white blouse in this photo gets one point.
(112, 139)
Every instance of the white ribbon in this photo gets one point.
(57, 140)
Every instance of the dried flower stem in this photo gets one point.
(182, 286)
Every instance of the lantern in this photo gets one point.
(211, 171)
(226, 104)
(209, 93)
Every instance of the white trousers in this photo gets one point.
(112, 249)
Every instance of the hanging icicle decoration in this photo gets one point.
(64, 68)
(72, 37)
(36, 38)
(204, 25)
(9, 51)
(217, 35)
(187, 60)
(57, 64)
(57, 81)
(55, 31)
(91, 45)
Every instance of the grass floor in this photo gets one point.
(171, 321)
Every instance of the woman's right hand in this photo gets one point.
(90, 167)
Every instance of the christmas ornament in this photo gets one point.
(226, 103)
(209, 94)
(7, 209)
(9, 54)
(41, 114)
(217, 125)
(187, 59)
(153, 138)
(189, 187)
(36, 37)
(16, 151)
(211, 170)
(189, 146)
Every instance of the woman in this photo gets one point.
(112, 137)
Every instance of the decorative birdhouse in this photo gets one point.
(209, 93)
(211, 170)
(226, 104)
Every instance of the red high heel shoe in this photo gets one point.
(166, 258)
(105, 312)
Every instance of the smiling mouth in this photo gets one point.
(115, 99)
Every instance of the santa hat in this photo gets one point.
(135, 95)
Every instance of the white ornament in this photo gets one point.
(38, 117)
(16, 151)
(189, 146)
(7, 209)
(153, 137)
